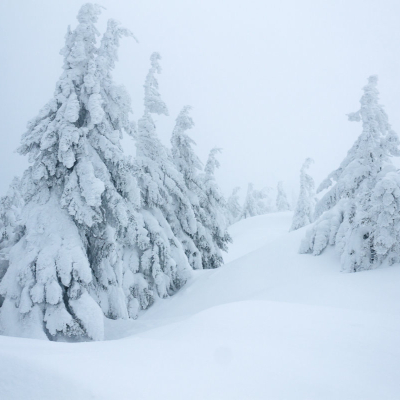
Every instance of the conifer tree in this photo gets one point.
(358, 213)
(11, 226)
(164, 195)
(303, 213)
(257, 202)
(190, 166)
(214, 237)
(207, 202)
(233, 207)
(282, 203)
(80, 199)
(48, 286)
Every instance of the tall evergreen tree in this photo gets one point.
(358, 213)
(303, 213)
(189, 165)
(48, 286)
(81, 199)
(208, 204)
(168, 213)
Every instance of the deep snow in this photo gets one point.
(270, 324)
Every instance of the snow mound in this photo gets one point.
(270, 324)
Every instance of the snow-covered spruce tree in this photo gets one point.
(233, 207)
(11, 226)
(215, 236)
(208, 204)
(257, 202)
(189, 165)
(303, 213)
(359, 213)
(46, 284)
(166, 207)
(80, 200)
(282, 203)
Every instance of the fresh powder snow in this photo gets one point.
(270, 324)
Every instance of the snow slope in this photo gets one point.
(270, 324)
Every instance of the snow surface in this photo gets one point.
(270, 324)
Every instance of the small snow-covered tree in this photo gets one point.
(257, 202)
(303, 213)
(233, 207)
(11, 225)
(282, 203)
(213, 237)
(359, 211)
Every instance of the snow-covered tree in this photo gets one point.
(212, 236)
(207, 202)
(233, 207)
(169, 215)
(81, 199)
(282, 203)
(11, 226)
(257, 202)
(358, 213)
(46, 285)
(303, 213)
(190, 166)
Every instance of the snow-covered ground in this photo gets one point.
(270, 324)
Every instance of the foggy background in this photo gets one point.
(270, 82)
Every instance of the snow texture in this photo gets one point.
(237, 332)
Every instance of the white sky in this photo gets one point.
(270, 81)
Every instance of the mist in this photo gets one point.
(270, 82)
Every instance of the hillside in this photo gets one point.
(270, 324)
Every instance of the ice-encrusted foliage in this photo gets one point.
(367, 156)
(168, 211)
(325, 231)
(42, 286)
(233, 207)
(88, 232)
(282, 203)
(212, 235)
(81, 200)
(189, 166)
(303, 213)
(364, 194)
(386, 213)
(11, 225)
(204, 244)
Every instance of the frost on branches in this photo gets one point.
(204, 245)
(87, 232)
(303, 213)
(164, 198)
(11, 225)
(213, 237)
(359, 214)
(46, 287)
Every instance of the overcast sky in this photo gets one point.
(270, 82)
